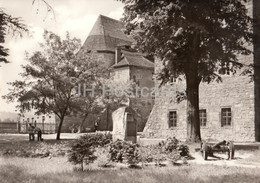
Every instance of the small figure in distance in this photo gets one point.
(31, 132)
(96, 125)
(39, 133)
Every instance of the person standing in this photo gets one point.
(39, 133)
(31, 132)
(96, 125)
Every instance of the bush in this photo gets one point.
(124, 151)
(152, 153)
(82, 150)
(173, 145)
(171, 150)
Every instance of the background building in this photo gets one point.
(114, 48)
(46, 122)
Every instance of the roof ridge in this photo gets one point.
(106, 34)
(147, 60)
(128, 63)
(103, 27)
(100, 15)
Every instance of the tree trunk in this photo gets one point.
(192, 88)
(107, 125)
(82, 123)
(82, 165)
(59, 128)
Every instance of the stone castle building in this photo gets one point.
(113, 47)
(229, 110)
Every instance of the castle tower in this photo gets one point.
(105, 36)
(112, 46)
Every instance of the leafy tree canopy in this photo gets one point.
(12, 25)
(52, 75)
(211, 33)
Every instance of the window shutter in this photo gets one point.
(220, 117)
(175, 119)
(168, 116)
(207, 119)
(231, 117)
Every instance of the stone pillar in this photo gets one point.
(124, 124)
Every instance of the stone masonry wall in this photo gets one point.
(236, 92)
(144, 104)
(107, 58)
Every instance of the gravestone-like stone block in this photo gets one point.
(124, 124)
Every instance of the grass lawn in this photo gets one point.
(59, 170)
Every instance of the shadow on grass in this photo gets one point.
(11, 173)
(154, 175)
(35, 148)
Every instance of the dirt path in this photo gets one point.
(25, 137)
(240, 160)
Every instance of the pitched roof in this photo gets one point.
(106, 34)
(133, 59)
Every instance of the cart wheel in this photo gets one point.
(231, 150)
(205, 151)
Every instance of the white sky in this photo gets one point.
(75, 16)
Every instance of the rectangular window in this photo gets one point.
(203, 117)
(172, 119)
(226, 117)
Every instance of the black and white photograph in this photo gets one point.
(129, 91)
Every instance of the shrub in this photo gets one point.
(82, 150)
(173, 145)
(152, 153)
(171, 150)
(132, 154)
(124, 151)
(183, 149)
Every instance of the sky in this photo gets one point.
(75, 16)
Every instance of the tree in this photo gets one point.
(9, 24)
(14, 26)
(82, 150)
(51, 76)
(89, 95)
(193, 38)
(109, 95)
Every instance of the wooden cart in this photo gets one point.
(223, 146)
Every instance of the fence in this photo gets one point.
(45, 127)
(9, 127)
(17, 127)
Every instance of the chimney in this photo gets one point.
(117, 54)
